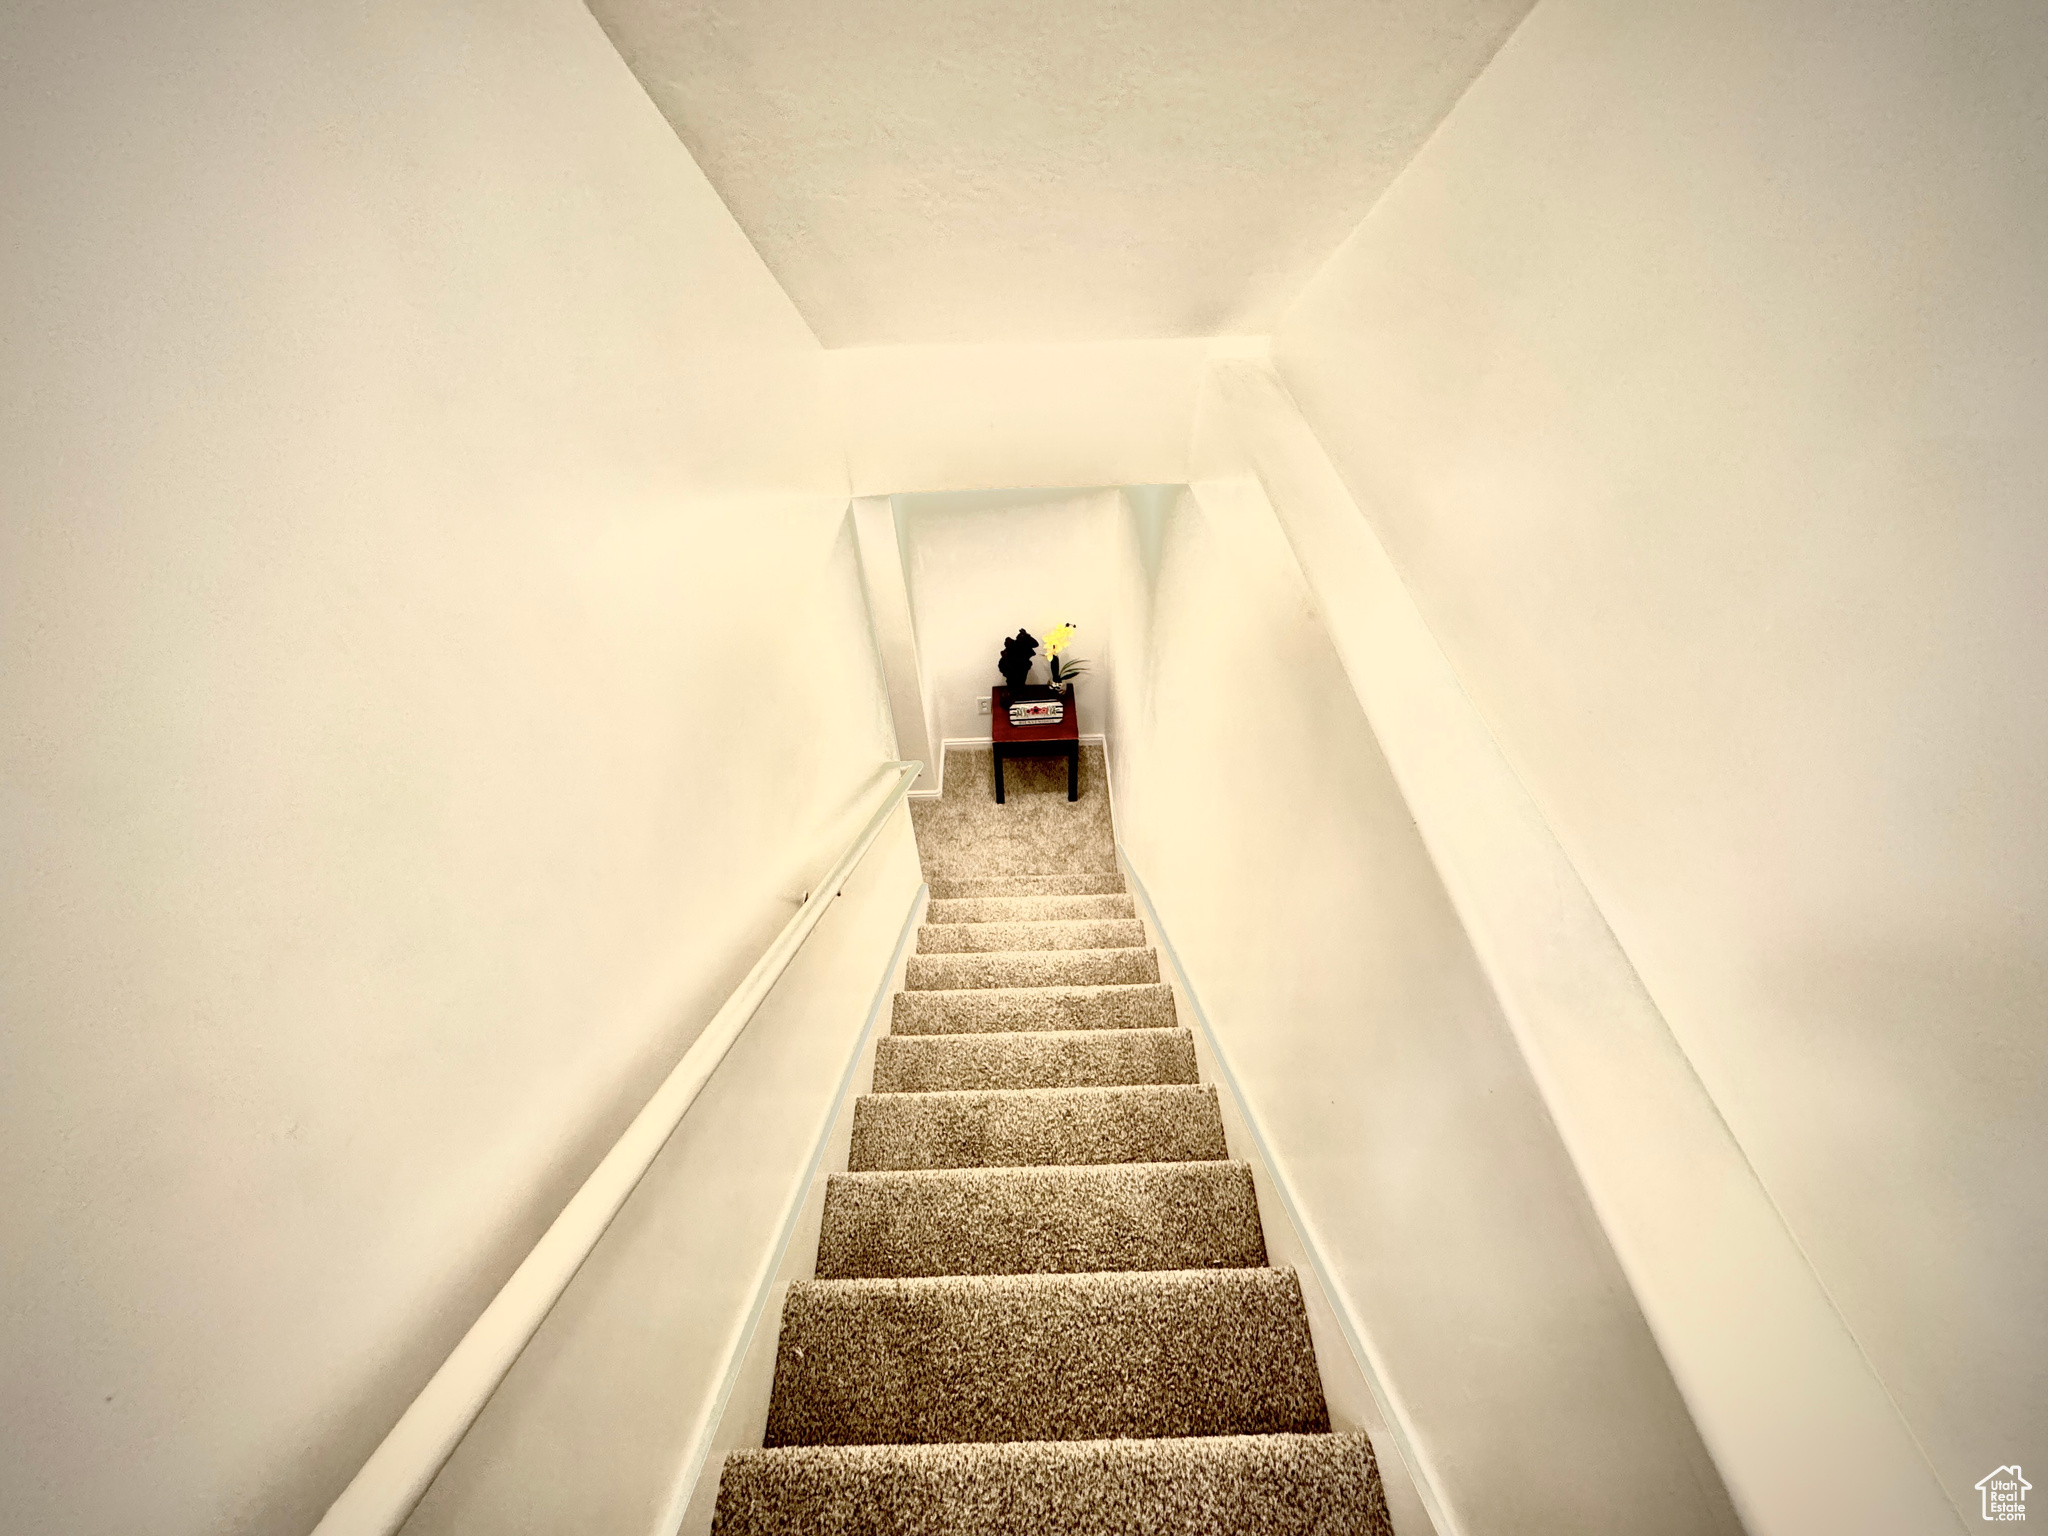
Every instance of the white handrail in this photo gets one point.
(383, 1493)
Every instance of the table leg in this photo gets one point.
(1074, 771)
(999, 775)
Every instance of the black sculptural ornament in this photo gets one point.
(1015, 662)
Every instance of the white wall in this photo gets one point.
(885, 584)
(618, 1396)
(1292, 882)
(983, 564)
(976, 417)
(435, 663)
(1801, 1430)
(1692, 377)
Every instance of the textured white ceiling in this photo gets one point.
(1020, 170)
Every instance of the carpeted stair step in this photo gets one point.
(1020, 1221)
(1083, 1058)
(1030, 968)
(1027, 909)
(1044, 1357)
(1089, 883)
(981, 1010)
(1277, 1485)
(1042, 1302)
(1014, 1128)
(1084, 933)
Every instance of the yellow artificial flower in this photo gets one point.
(1059, 639)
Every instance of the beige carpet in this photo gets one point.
(965, 835)
(1257, 1485)
(1043, 1304)
(1051, 1058)
(1108, 1356)
(1033, 1221)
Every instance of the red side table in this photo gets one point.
(1061, 739)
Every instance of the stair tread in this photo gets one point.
(1067, 1058)
(1279, 1485)
(1021, 909)
(1031, 934)
(1058, 883)
(1044, 1357)
(1019, 1127)
(1030, 968)
(972, 1010)
(1045, 1220)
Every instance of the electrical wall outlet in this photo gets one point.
(984, 704)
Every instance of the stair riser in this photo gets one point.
(1070, 1357)
(1016, 1221)
(1056, 1127)
(995, 1010)
(1031, 968)
(977, 938)
(1078, 1059)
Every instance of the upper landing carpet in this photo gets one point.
(965, 835)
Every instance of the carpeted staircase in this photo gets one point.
(1042, 1303)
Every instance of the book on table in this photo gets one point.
(1037, 712)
